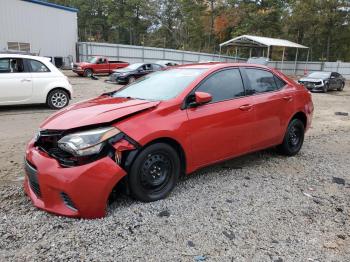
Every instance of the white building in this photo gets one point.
(39, 27)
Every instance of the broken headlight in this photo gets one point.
(87, 143)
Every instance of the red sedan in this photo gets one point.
(167, 124)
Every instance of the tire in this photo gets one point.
(325, 88)
(293, 139)
(88, 73)
(154, 173)
(57, 99)
(341, 87)
(131, 79)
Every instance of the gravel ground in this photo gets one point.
(260, 207)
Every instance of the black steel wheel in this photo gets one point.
(293, 139)
(154, 172)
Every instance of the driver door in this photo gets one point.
(222, 128)
(15, 81)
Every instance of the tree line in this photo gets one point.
(200, 25)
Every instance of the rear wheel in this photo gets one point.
(57, 99)
(341, 87)
(88, 72)
(154, 172)
(293, 139)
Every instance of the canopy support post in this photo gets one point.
(295, 62)
(282, 59)
(263, 54)
(220, 53)
(250, 52)
(268, 53)
(236, 54)
(307, 60)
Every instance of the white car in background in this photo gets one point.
(28, 79)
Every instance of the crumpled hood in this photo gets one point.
(99, 110)
(309, 79)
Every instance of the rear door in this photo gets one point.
(15, 81)
(274, 104)
(222, 128)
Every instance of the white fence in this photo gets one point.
(134, 54)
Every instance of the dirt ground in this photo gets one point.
(259, 207)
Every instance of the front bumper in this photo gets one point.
(78, 71)
(313, 87)
(80, 191)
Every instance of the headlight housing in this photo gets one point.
(87, 143)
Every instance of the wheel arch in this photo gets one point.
(166, 140)
(301, 116)
(58, 88)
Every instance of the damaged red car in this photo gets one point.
(167, 124)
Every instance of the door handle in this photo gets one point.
(288, 98)
(26, 80)
(247, 107)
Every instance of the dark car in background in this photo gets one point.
(323, 81)
(132, 72)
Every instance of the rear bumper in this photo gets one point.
(80, 191)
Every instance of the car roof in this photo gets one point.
(40, 58)
(213, 65)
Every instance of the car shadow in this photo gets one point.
(24, 109)
(122, 200)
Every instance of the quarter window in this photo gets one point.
(261, 81)
(37, 67)
(280, 83)
(223, 85)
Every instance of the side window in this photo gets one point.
(280, 83)
(5, 65)
(37, 67)
(261, 81)
(12, 65)
(223, 85)
(156, 67)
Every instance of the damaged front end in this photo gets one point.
(73, 172)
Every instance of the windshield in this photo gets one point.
(92, 60)
(319, 75)
(134, 66)
(162, 85)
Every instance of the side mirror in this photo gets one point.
(201, 98)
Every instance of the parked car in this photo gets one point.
(150, 132)
(132, 72)
(323, 81)
(166, 63)
(28, 79)
(97, 65)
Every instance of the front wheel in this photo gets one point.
(325, 88)
(57, 99)
(88, 73)
(132, 79)
(341, 87)
(154, 172)
(293, 139)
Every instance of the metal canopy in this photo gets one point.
(251, 41)
(260, 41)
